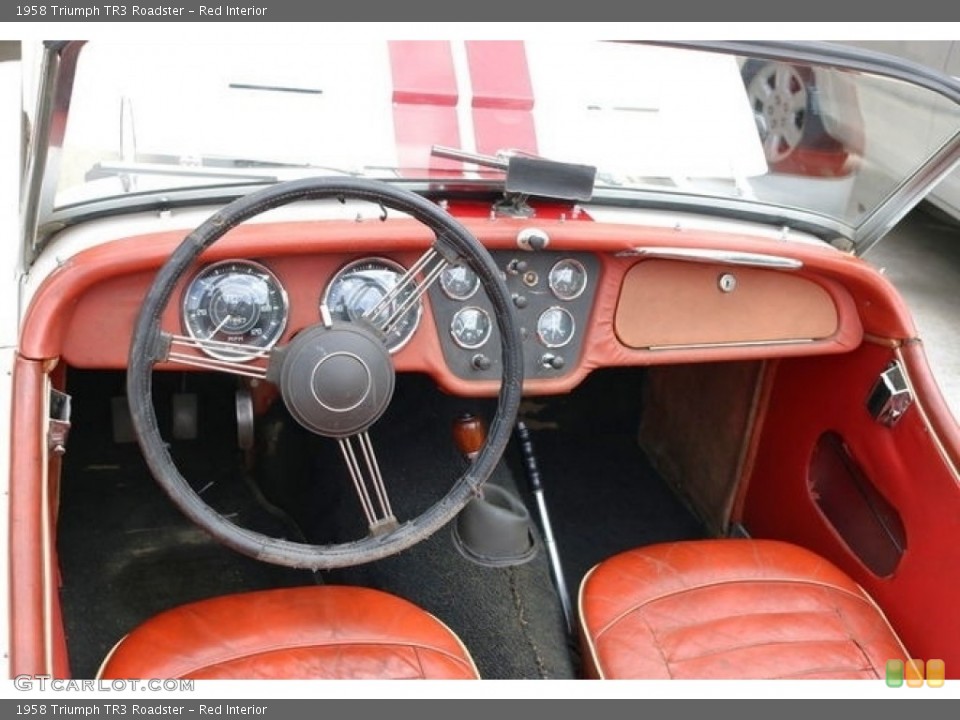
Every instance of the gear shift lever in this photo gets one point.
(494, 528)
(469, 435)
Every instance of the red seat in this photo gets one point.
(732, 609)
(298, 633)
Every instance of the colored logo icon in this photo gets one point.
(936, 673)
(894, 673)
(914, 671)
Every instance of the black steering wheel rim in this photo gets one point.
(146, 348)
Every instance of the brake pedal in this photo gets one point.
(184, 416)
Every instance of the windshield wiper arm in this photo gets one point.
(498, 163)
(530, 175)
(255, 172)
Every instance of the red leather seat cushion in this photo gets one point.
(735, 609)
(297, 633)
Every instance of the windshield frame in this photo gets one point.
(40, 219)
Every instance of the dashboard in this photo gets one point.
(588, 300)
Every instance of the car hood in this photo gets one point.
(830, 139)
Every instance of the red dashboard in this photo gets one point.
(639, 305)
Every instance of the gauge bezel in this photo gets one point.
(452, 296)
(552, 285)
(573, 327)
(486, 337)
(388, 264)
(257, 268)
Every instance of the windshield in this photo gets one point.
(650, 119)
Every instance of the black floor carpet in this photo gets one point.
(127, 553)
(602, 494)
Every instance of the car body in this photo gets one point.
(226, 281)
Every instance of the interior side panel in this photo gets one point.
(903, 463)
(693, 426)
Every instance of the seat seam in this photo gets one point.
(769, 643)
(804, 673)
(854, 640)
(704, 586)
(680, 628)
(306, 646)
(656, 641)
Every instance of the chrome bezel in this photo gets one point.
(255, 268)
(387, 265)
(487, 335)
(583, 272)
(454, 296)
(573, 327)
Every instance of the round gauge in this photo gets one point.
(555, 327)
(567, 279)
(361, 286)
(471, 327)
(459, 282)
(235, 301)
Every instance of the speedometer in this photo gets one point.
(235, 301)
(363, 285)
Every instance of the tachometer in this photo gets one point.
(235, 301)
(360, 286)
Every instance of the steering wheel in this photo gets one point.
(336, 378)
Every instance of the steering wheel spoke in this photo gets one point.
(368, 482)
(226, 357)
(405, 295)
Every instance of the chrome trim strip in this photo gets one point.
(723, 257)
(734, 344)
(46, 141)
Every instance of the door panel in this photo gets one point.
(903, 464)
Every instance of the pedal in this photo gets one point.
(121, 421)
(184, 416)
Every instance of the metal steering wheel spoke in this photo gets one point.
(404, 296)
(368, 482)
(225, 357)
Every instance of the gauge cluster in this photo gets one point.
(552, 293)
(245, 303)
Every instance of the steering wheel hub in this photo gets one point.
(336, 381)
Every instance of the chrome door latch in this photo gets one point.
(59, 427)
(890, 397)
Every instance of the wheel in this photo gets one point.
(782, 99)
(335, 378)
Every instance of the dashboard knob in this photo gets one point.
(480, 362)
(517, 267)
(520, 301)
(549, 360)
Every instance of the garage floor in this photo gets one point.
(921, 256)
